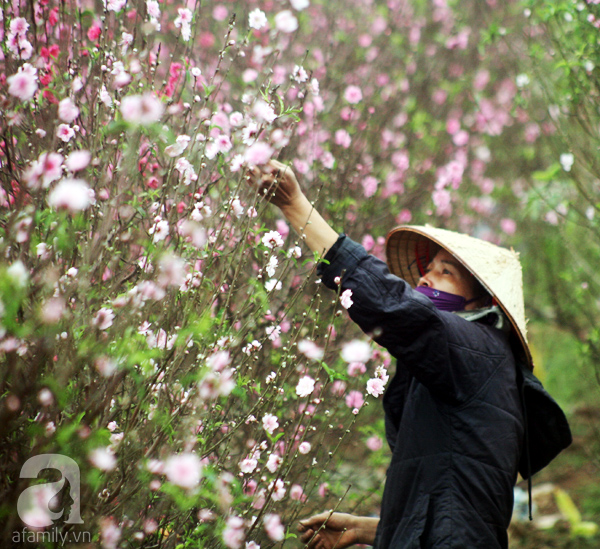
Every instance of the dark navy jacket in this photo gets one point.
(454, 419)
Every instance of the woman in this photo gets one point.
(455, 417)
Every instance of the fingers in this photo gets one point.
(307, 535)
(259, 177)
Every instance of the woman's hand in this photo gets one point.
(277, 182)
(337, 530)
(279, 185)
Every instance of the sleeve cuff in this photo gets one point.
(343, 257)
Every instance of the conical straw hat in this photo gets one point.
(410, 248)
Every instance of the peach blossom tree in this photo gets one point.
(159, 323)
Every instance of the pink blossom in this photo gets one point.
(172, 270)
(184, 21)
(323, 489)
(274, 462)
(273, 527)
(346, 299)
(184, 470)
(248, 465)
(532, 132)
(67, 110)
(264, 112)
(258, 154)
(401, 160)
(142, 109)
(461, 138)
(233, 534)
(381, 373)
(223, 143)
(272, 266)
(509, 226)
(375, 387)
(338, 388)
(104, 319)
(19, 46)
(110, 533)
(439, 96)
(18, 273)
(42, 251)
(155, 466)
(353, 95)
(282, 228)
(374, 443)
(78, 160)
(342, 138)
(71, 194)
(94, 31)
(305, 387)
(19, 26)
(178, 147)
(299, 5)
(369, 185)
(45, 397)
(153, 8)
(218, 360)
(404, 217)
(105, 366)
(299, 74)
(297, 493)
(257, 19)
(310, 349)
(304, 447)
(103, 458)
(185, 15)
(64, 132)
(36, 504)
(48, 167)
(270, 423)
(481, 79)
(23, 84)
(285, 21)
(356, 369)
(273, 332)
(115, 5)
(278, 490)
(184, 167)
(441, 200)
(356, 351)
(215, 384)
(272, 239)
(150, 526)
(220, 13)
(354, 399)
(160, 229)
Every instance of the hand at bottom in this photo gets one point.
(337, 530)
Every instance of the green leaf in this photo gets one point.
(333, 375)
(547, 175)
(115, 127)
(567, 507)
(585, 529)
(208, 90)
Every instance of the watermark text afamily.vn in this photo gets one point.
(53, 535)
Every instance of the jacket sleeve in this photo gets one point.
(398, 318)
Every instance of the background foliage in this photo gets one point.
(155, 330)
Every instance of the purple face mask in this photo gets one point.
(444, 301)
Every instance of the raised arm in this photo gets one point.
(280, 185)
